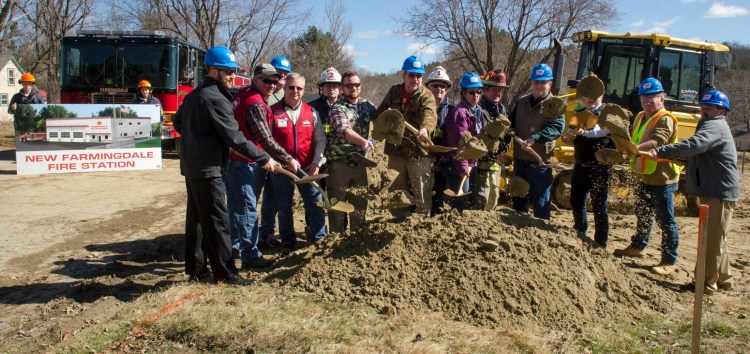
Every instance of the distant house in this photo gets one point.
(10, 72)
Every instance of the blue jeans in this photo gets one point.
(452, 179)
(315, 216)
(540, 191)
(240, 181)
(593, 180)
(268, 208)
(657, 202)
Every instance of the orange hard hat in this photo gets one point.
(27, 77)
(143, 84)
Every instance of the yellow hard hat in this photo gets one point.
(27, 77)
(143, 84)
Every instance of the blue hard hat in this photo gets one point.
(716, 98)
(541, 72)
(220, 56)
(413, 64)
(649, 86)
(471, 80)
(281, 63)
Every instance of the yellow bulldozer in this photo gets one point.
(686, 69)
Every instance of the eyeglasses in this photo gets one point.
(269, 81)
(227, 71)
(476, 92)
(540, 82)
(413, 75)
(439, 86)
(353, 85)
(295, 88)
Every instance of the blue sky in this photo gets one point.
(379, 47)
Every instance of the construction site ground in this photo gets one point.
(79, 248)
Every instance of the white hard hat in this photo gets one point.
(330, 76)
(439, 74)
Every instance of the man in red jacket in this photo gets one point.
(299, 130)
(244, 177)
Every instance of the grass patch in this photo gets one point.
(720, 329)
(99, 340)
(150, 143)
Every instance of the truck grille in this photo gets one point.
(114, 97)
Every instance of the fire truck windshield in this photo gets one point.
(95, 65)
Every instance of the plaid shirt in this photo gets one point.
(256, 121)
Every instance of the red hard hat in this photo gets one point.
(494, 78)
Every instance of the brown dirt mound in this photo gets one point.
(486, 268)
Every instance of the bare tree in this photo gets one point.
(489, 34)
(51, 21)
(252, 29)
(317, 49)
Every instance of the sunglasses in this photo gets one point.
(269, 81)
(413, 75)
(295, 88)
(439, 86)
(477, 92)
(353, 85)
(227, 71)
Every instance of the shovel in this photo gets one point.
(327, 204)
(460, 192)
(533, 153)
(363, 159)
(427, 144)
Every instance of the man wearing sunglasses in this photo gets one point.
(299, 130)
(539, 134)
(245, 178)
(409, 159)
(208, 128)
(350, 129)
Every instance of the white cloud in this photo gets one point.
(350, 50)
(369, 35)
(637, 24)
(719, 10)
(661, 26)
(422, 49)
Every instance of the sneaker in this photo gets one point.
(258, 263)
(664, 268)
(629, 251)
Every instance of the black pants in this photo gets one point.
(593, 179)
(206, 229)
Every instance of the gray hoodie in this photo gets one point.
(711, 160)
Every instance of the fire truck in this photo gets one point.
(106, 66)
(686, 69)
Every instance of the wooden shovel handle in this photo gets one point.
(530, 151)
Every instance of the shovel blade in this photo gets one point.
(453, 194)
(438, 148)
(362, 160)
(343, 207)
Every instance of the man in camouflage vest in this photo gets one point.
(350, 128)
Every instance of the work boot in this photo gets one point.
(258, 263)
(691, 287)
(664, 268)
(629, 251)
(725, 286)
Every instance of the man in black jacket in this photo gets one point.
(208, 128)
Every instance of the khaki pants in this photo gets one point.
(717, 258)
(341, 177)
(415, 175)
(488, 190)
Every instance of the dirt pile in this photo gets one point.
(486, 268)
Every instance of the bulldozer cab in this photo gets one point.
(685, 68)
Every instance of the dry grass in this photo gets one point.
(265, 319)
